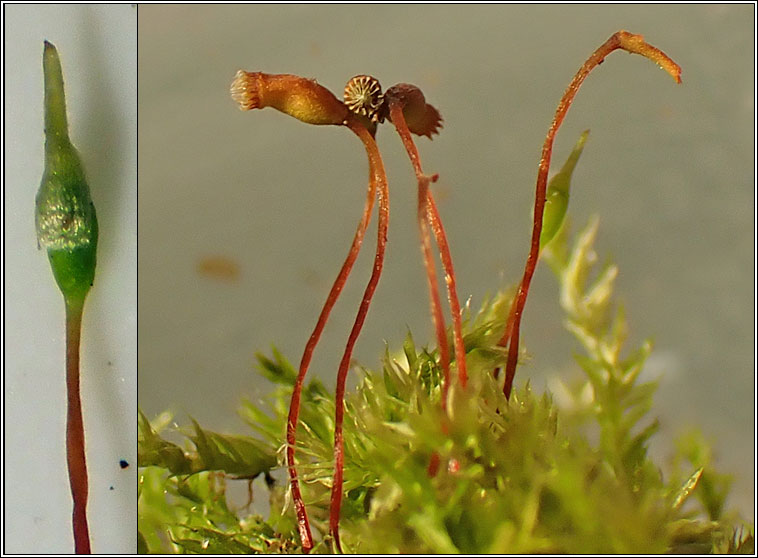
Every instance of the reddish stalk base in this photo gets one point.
(377, 178)
(428, 214)
(303, 525)
(339, 399)
(77, 465)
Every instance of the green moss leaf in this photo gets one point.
(154, 451)
(241, 456)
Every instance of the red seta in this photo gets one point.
(364, 107)
(620, 40)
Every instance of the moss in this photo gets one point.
(490, 476)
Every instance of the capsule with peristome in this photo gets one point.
(299, 97)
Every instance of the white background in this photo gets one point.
(669, 169)
(97, 46)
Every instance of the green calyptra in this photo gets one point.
(67, 228)
(65, 217)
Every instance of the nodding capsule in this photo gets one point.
(363, 96)
(422, 118)
(299, 97)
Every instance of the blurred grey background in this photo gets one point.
(245, 218)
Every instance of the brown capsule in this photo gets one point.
(299, 97)
(422, 118)
(363, 96)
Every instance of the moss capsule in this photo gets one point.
(422, 118)
(299, 97)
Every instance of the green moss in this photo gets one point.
(518, 476)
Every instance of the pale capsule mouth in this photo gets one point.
(363, 96)
(244, 90)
